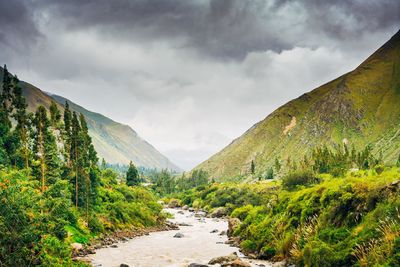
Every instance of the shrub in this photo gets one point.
(298, 178)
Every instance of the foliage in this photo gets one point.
(52, 191)
(298, 178)
(132, 175)
(314, 220)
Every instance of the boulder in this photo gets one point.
(76, 247)
(123, 265)
(222, 233)
(114, 246)
(236, 263)
(178, 235)
(233, 223)
(181, 212)
(214, 231)
(186, 207)
(191, 209)
(218, 213)
(174, 203)
(197, 265)
(223, 259)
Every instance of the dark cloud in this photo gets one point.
(189, 75)
(18, 29)
(226, 28)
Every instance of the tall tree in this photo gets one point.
(47, 167)
(75, 154)
(252, 167)
(67, 135)
(5, 123)
(23, 127)
(55, 115)
(132, 175)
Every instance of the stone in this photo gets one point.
(174, 203)
(181, 212)
(197, 265)
(236, 263)
(214, 231)
(191, 209)
(233, 223)
(186, 207)
(222, 233)
(218, 213)
(178, 235)
(123, 265)
(76, 247)
(223, 259)
(184, 224)
(114, 246)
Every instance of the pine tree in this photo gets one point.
(67, 136)
(252, 167)
(55, 115)
(75, 154)
(47, 167)
(89, 166)
(398, 161)
(132, 175)
(5, 123)
(22, 130)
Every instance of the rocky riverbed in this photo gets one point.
(199, 241)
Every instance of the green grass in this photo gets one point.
(361, 106)
(349, 220)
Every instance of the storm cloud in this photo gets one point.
(189, 76)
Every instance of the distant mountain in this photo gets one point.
(361, 107)
(115, 142)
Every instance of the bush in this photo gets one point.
(298, 178)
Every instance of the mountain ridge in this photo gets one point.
(359, 107)
(115, 142)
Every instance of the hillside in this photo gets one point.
(115, 142)
(360, 107)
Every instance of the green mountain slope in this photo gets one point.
(361, 107)
(115, 142)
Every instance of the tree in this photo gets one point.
(75, 154)
(252, 167)
(55, 115)
(67, 135)
(132, 175)
(22, 130)
(5, 123)
(47, 167)
(398, 161)
(270, 174)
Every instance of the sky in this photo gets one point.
(189, 75)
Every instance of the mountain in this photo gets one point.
(115, 142)
(361, 107)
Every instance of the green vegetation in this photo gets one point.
(132, 175)
(324, 212)
(52, 190)
(314, 220)
(361, 107)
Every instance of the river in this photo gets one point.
(162, 249)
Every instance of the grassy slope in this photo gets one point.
(361, 106)
(115, 142)
(341, 221)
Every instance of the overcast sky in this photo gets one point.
(189, 75)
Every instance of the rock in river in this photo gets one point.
(178, 235)
(223, 259)
(197, 265)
